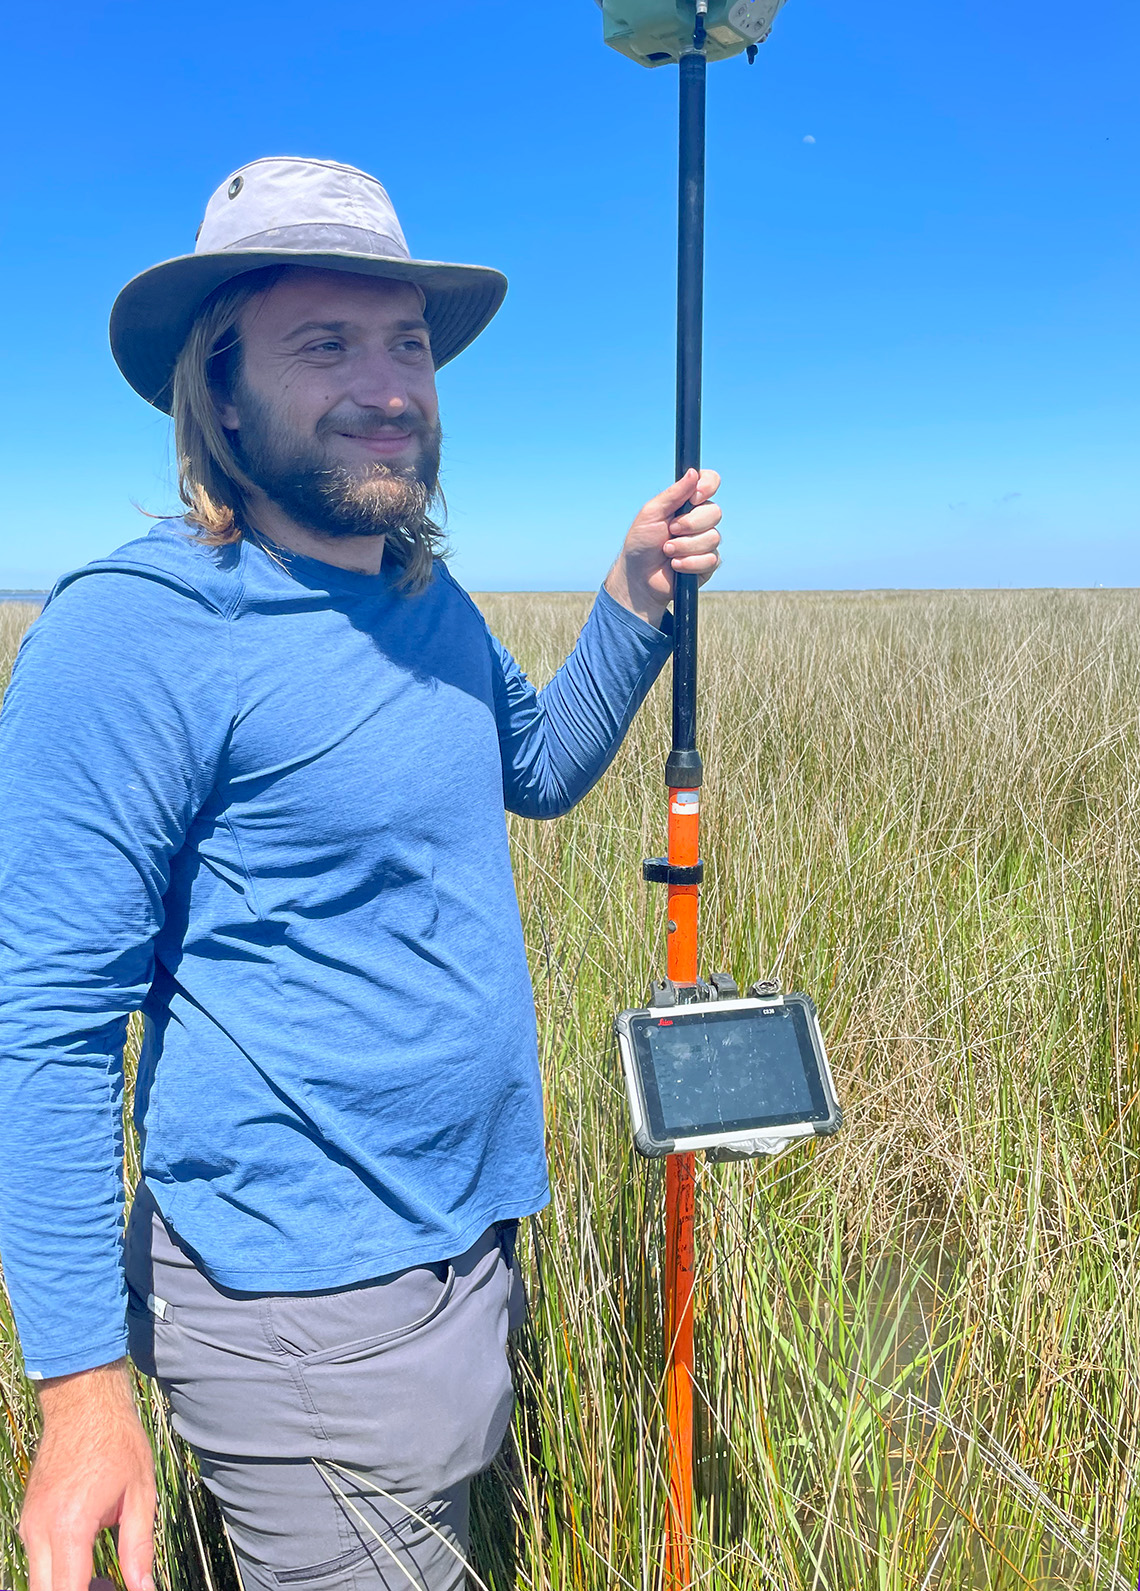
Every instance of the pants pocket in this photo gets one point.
(427, 1406)
(312, 1574)
(345, 1326)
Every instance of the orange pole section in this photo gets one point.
(684, 849)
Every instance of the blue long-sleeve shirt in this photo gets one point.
(263, 800)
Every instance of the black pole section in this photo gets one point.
(683, 769)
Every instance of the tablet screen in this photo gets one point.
(728, 1071)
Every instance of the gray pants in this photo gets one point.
(339, 1431)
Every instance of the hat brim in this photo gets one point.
(153, 314)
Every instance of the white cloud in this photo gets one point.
(808, 139)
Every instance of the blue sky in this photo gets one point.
(922, 327)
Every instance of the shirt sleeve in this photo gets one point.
(557, 742)
(119, 707)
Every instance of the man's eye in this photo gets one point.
(413, 345)
(331, 345)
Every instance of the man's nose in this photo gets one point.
(379, 383)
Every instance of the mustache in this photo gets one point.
(372, 423)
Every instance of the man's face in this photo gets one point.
(334, 407)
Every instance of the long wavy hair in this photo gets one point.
(211, 481)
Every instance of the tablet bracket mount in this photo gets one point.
(721, 986)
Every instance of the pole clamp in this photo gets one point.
(683, 770)
(665, 992)
(659, 870)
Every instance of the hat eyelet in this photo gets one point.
(235, 187)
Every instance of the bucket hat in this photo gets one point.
(285, 210)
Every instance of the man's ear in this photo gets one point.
(227, 414)
(223, 377)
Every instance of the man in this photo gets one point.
(255, 767)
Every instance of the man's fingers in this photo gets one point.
(695, 554)
(692, 546)
(697, 523)
(136, 1538)
(71, 1556)
(703, 564)
(39, 1561)
(694, 487)
(666, 503)
(706, 487)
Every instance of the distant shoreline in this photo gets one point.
(38, 598)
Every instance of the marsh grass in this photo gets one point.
(918, 1345)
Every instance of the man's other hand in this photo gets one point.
(93, 1470)
(660, 545)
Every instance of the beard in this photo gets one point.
(327, 497)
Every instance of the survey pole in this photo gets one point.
(683, 775)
